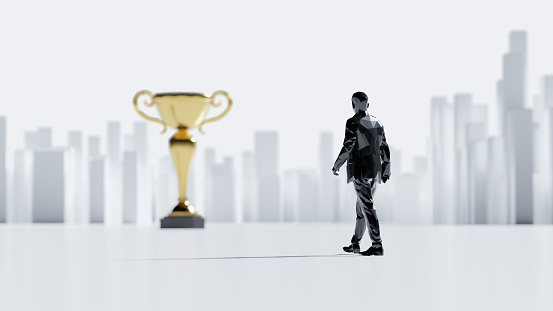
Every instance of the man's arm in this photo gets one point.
(349, 142)
(385, 157)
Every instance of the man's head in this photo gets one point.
(359, 101)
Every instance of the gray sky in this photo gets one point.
(290, 66)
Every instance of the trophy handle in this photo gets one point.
(148, 103)
(217, 104)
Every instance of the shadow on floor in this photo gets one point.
(254, 257)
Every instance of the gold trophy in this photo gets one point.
(182, 111)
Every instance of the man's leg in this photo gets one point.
(360, 222)
(365, 195)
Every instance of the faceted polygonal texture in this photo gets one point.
(365, 148)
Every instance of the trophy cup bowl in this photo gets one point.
(182, 111)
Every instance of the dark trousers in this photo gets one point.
(365, 188)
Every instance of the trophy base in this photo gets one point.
(183, 222)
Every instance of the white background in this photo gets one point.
(290, 66)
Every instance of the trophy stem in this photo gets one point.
(182, 146)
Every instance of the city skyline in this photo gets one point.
(103, 187)
(468, 166)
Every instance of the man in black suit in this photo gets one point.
(368, 156)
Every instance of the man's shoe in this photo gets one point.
(353, 248)
(374, 250)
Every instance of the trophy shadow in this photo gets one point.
(251, 257)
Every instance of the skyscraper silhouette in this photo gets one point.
(31, 140)
(267, 170)
(518, 130)
(249, 187)
(443, 161)
(96, 186)
(22, 190)
(308, 199)
(113, 141)
(421, 171)
(223, 188)
(463, 112)
(498, 183)
(114, 175)
(327, 207)
(144, 179)
(167, 192)
(209, 163)
(477, 156)
(301, 197)
(80, 204)
(93, 146)
(96, 180)
(130, 186)
(44, 135)
(3, 177)
(543, 153)
(49, 185)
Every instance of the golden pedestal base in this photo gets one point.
(183, 216)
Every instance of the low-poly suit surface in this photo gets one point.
(368, 163)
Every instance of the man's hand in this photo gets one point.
(335, 171)
(385, 178)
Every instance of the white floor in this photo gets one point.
(260, 267)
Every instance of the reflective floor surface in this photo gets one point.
(274, 266)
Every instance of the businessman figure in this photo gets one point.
(368, 163)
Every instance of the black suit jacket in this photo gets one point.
(365, 148)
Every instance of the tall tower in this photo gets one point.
(328, 206)
(49, 185)
(223, 189)
(113, 210)
(79, 202)
(144, 197)
(249, 201)
(209, 163)
(3, 177)
(517, 130)
(443, 161)
(96, 180)
(543, 152)
(463, 108)
(267, 171)
(113, 141)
